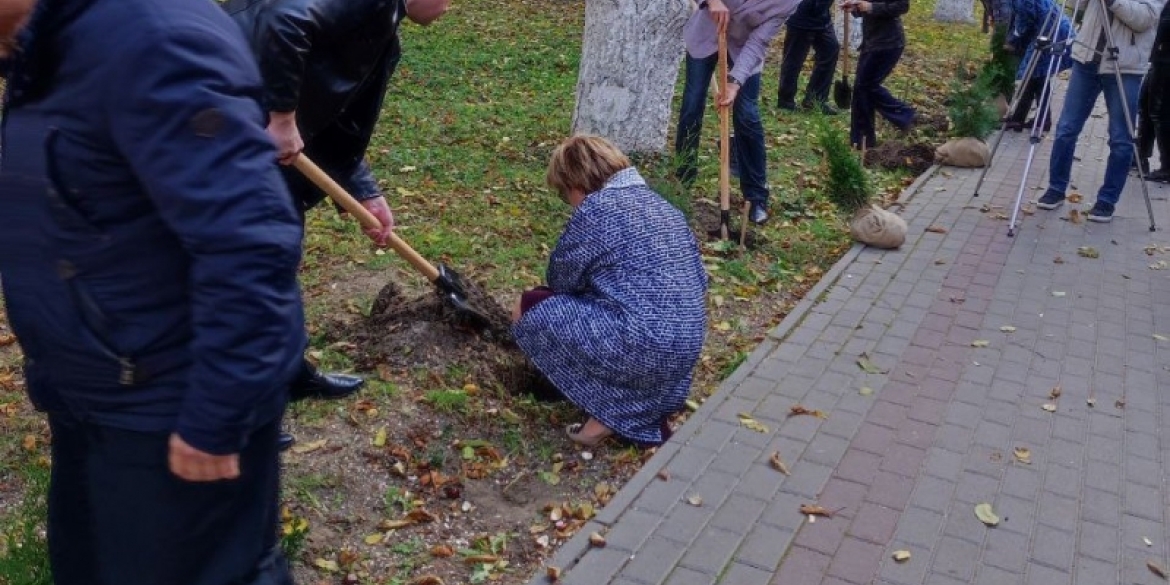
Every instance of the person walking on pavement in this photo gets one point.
(1133, 25)
(751, 25)
(327, 66)
(149, 253)
(1155, 104)
(811, 26)
(882, 43)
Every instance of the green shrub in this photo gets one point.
(847, 185)
(1000, 69)
(970, 106)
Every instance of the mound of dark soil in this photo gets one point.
(705, 223)
(424, 332)
(893, 155)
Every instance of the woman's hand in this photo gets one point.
(517, 309)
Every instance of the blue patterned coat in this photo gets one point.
(624, 328)
(1031, 18)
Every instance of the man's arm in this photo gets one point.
(182, 110)
(891, 9)
(1139, 15)
(751, 56)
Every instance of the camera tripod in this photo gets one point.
(1048, 43)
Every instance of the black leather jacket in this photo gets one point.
(881, 27)
(1161, 53)
(331, 61)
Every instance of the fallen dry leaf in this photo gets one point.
(309, 447)
(1007, 329)
(326, 565)
(778, 464)
(380, 437)
(1023, 455)
(1058, 260)
(798, 410)
(1054, 393)
(868, 366)
(692, 405)
(1075, 216)
(1156, 569)
(1059, 294)
(663, 474)
(1088, 252)
(980, 343)
(937, 229)
(865, 391)
(442, 551)
(596, 540)
(425, 580)
(815, 510)
(1161, 337)
(1091, 402)
(985, 514)
(1075, 197)
(29, 443)
(374, 538)
(1159, 265)
(753, 424)
(1147, 541)
(552, 573)
(1119, 404)
(695, 500)
(7, 340)
(1048, 406)
(477, 559)
(901, 556)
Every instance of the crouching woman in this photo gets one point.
(620, 326)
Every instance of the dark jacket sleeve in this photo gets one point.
(285, 33)
(185, 116)
(891, 9)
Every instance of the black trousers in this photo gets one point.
(870, 97)
(1032, 93)
(797, 43)
(117, 516)
(1154, 115)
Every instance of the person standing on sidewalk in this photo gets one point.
(811, 26)
(1132, 24)
(1155, 106)
(882, 43)
(1030, 17)
(149, 253)
(751, 25)
(326, 66)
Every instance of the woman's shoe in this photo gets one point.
(576, 434)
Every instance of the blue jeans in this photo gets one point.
(870, 97)
(749, 130)
(1084, 85)
(797, 42)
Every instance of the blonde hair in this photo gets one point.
(584, 162)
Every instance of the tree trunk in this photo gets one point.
(954, 11)
(629, 65)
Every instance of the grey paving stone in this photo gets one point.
(711, 551)
(764, 547)
(738, 514)
(653, 562)
(956, 558)
(599, 565)
(684, 576)
(1099, 541)
(633, 528)
(741, 574)
(1053, 547)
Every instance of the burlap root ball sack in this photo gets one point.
(963, 152)
(877, 227)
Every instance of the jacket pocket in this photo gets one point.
(95, 326)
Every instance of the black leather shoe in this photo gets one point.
(327, 386)
(825, 108)
(285, 441)
(758, 214)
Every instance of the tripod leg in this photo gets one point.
(1017, 96)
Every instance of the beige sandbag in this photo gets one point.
(963, 152)
(878, 227)
(1001, 105)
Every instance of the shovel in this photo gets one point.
(724, 143)
(447, 282)
(842, 93)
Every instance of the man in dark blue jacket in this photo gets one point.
(148, 255)
(326, 66)
(811, 26)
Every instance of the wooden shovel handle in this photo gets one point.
(845, 46)
(342, 197)
(724, 133)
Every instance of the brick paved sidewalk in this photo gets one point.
(906, 465)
